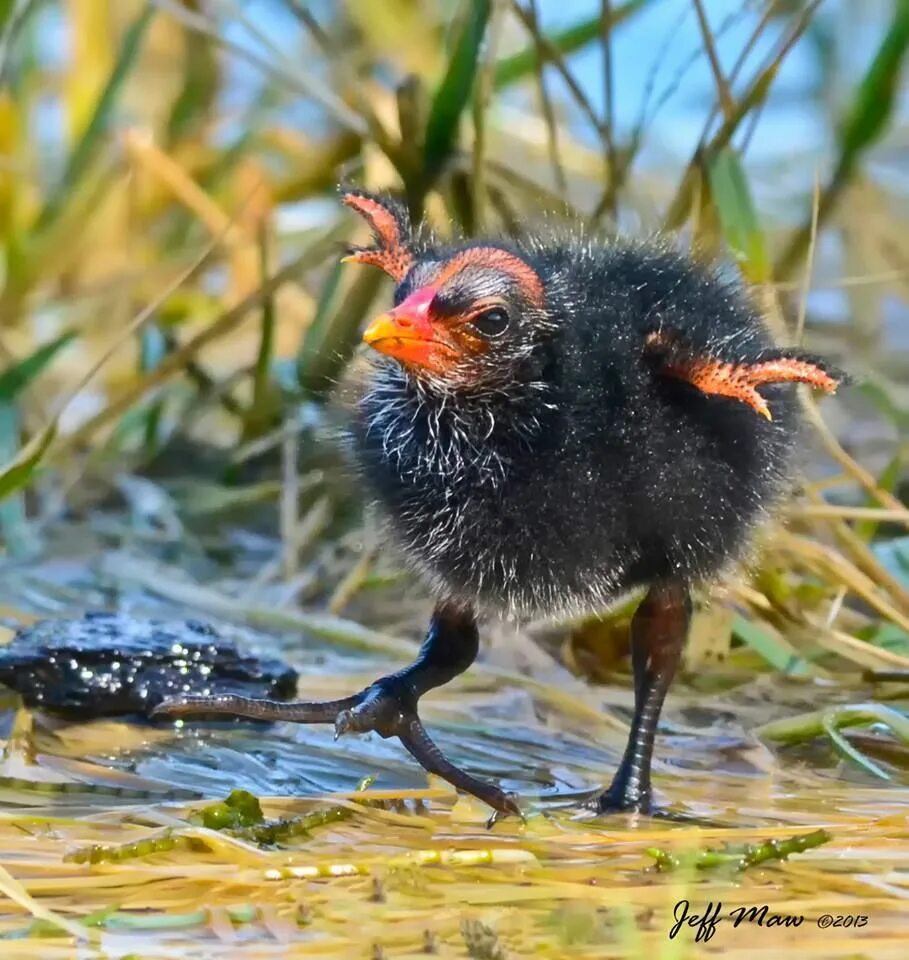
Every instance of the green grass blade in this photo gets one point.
(16, 378)
(889, 478)
(18, 538)
(848, 752)
(887, 636)
(197, 95)
(774, 649)
(6, 11)
(804, 726)
(13, 518)
(316, 340)
(738, 217)
(523, 65)
(334, 333)
(152, 350)
(18, 472)
(85, 150)
(454, 91)
(873, 106)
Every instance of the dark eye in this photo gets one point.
(491, 323)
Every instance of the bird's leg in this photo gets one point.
(658, 632)
(388, 706)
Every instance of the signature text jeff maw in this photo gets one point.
(707, 921)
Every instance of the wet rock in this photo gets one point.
(106, 665)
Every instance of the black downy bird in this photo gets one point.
(550, 424)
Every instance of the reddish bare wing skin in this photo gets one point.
(738, 381)
(391, 253)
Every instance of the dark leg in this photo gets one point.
(388, 706)
(658, 632)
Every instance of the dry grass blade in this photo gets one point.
(722, 86)
(299, 80)
(14, 890)
(755, 94)
(851, 466)
(554, 56)
(170, 585)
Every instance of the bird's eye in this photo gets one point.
(491, 323)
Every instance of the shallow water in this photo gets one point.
(563, 884)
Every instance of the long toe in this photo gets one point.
(291, 711)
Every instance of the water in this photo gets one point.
(563, 884)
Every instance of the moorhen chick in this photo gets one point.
(551, 423)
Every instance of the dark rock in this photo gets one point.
(106, 665)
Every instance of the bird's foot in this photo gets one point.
(384, 707)
(626, 794)
(617, 802)
(387, 707)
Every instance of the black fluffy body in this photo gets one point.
(565, 420)
(584, 472)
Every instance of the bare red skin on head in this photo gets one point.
(449, 339)
(492, 258)
(415, 311)
(410, 332)
(739, 381)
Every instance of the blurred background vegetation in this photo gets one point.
(173, 316)
(173, 320)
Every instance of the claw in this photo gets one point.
(343, 723)
(424, 750)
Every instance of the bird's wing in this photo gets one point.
(739, 380)
(391, 231)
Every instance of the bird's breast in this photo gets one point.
(496, 511)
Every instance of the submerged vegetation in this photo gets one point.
(173, 322)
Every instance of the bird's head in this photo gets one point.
(463, 318)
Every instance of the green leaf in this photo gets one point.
(334, 333)
(519, 66)
(17, 473)
(6, 11)
(17, 535)
(14, 379)
(776, 650)
(889, 478)
(197, 95)
(738, 218)
(453, 93)
(874, 100)
(887, 636)
(96, 130)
